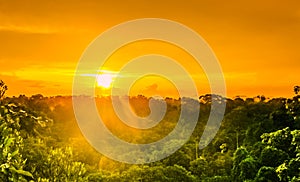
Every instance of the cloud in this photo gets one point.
(28, 29)
(150, 90)
(17, 86)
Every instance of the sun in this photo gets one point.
(104, 80)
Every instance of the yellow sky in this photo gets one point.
(256, 42)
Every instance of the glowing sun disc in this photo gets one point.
(104, 80)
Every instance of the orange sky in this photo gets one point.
(256, 42)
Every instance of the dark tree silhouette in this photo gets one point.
(296, 89)
(3, 88)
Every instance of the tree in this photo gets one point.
(12, 162)
(179, 157)
(273, 157)
(280, 139)
(138, 173)
(53, 164)
(297, 89)
(266, 174)
(3, 88)
(293, 107)
(245, 166)
(282, 172)
(282, 119)
(199, 167)
(280, 153)
(293, 168)
(236, 121)
(60, 166)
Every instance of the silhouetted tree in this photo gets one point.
(3, 88)
(296, 89)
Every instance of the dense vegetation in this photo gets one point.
(259, 140)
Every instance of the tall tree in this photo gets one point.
(3, 88)
(296, 89)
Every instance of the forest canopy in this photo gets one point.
(259, 140)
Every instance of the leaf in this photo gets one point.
(8, 142)
(20, 171)
(14, 153)
(25, 173)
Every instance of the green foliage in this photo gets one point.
(273, 157)
(59, 166)
(199, 167)
(158, 173)
(293, 168)
(95, 177)
(248, 168)
(244, 165)
(282, 172)
(11, 144)
(217, 179)
(266, 174)
(296, 142)
(53, 164)
(259, 140)
(24, 153)
(221, 164)
(179, 158)
(293, 109)
(178, 173)
(280, 139)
